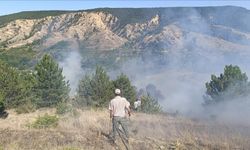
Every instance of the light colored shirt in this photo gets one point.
(118, 105)
(137, 104)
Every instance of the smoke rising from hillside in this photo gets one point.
(72, 70)
(181, 79)
(181, 73)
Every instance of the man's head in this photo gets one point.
(117, 92)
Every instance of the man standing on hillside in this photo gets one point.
(118, 107)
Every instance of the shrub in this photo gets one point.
(46, 121)
(63, 108)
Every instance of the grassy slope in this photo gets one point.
(89, 128)
(22, 57)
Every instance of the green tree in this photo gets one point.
(96, 90)
(51, 87)
(103, 89)
(15, 86)
(229, 85)
(27, 98)
(84, 92)
(150, 104)
(9, 85)
(128, 91)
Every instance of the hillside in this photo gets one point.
(108, 33)
(89, 128)
(107, 29)
(172, 50)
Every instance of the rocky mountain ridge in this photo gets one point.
(157, 28)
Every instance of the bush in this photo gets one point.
(46, 121)
(63, 108)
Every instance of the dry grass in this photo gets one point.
(87, 130)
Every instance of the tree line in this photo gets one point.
(45, 86)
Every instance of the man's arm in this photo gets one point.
(128, 108)
(129, 112)
(111, 113)
(110, 110)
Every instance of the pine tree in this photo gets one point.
(9, 85)
(96, 90)
(229, 85)
(103, 89)
(84, 92)
(27, 98)
(128, 91)
(16, 87)
(51, 87)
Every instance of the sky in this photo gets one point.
(14, 6)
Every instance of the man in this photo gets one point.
(137, 104)
(118, 107)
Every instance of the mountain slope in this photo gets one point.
(107, 29)
(111, 36)
(28, 15)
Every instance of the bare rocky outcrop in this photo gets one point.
(94, 29)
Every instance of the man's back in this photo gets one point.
(118, 106)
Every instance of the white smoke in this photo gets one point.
(182, 79)
(72, 70)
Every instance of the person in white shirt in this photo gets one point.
(118, 107)
(137, 104)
